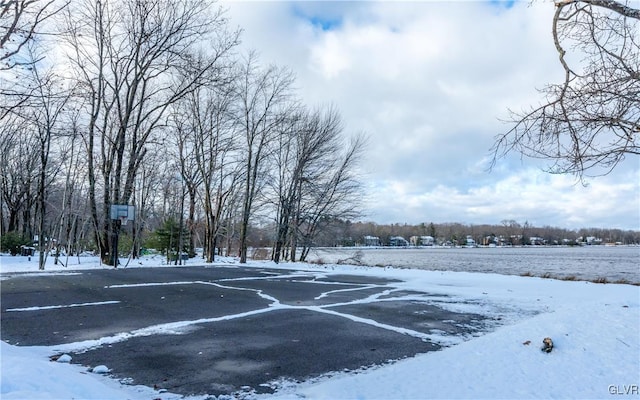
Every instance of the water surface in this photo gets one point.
(613, 263)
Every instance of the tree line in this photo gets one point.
(508, 232)
(151, 103)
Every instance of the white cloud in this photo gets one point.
(528, 195)
(429, 83)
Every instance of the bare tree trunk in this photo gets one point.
(191, 223)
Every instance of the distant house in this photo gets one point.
(536, 241)
(593, 240)
(398, 241)
(371, 241)
(422, 240)
(516, 239)
(490, 240)
(469, 242)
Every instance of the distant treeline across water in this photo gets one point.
(591, 263)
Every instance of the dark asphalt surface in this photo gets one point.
(222, 329)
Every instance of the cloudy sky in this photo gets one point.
(430, 84)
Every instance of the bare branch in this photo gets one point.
(20, 21)
(612, 5)
(589, 123)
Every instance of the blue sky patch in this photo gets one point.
(326, 24)
(323, 16)
(502, 3)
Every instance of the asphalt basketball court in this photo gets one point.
(222, 330)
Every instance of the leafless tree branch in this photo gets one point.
(590, 122)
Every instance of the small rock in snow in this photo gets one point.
(547, 345)
(100, 369)
(65, 358)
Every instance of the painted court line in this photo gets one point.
(98, 303)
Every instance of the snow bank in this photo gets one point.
(27, 373)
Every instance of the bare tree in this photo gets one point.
(591, 121)
(261, 97)
(190, 178)
(290, 157)
(135, 59)
(46, 112)
(18, 147)
(207, 144)
(510, 227)
(217, 149)
(40, 113)
(72, 207)
(332, 191)
(307, 157)
(148, 183)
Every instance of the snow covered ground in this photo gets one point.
(595, 329)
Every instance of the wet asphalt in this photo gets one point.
(223, 330)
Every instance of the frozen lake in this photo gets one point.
(615, 263)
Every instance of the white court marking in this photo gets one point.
(37, 308)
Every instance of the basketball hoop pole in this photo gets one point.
(114, 245)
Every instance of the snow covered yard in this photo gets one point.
(595, 329)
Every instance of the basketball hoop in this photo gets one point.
(123, 213)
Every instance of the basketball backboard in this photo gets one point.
(123, 212)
